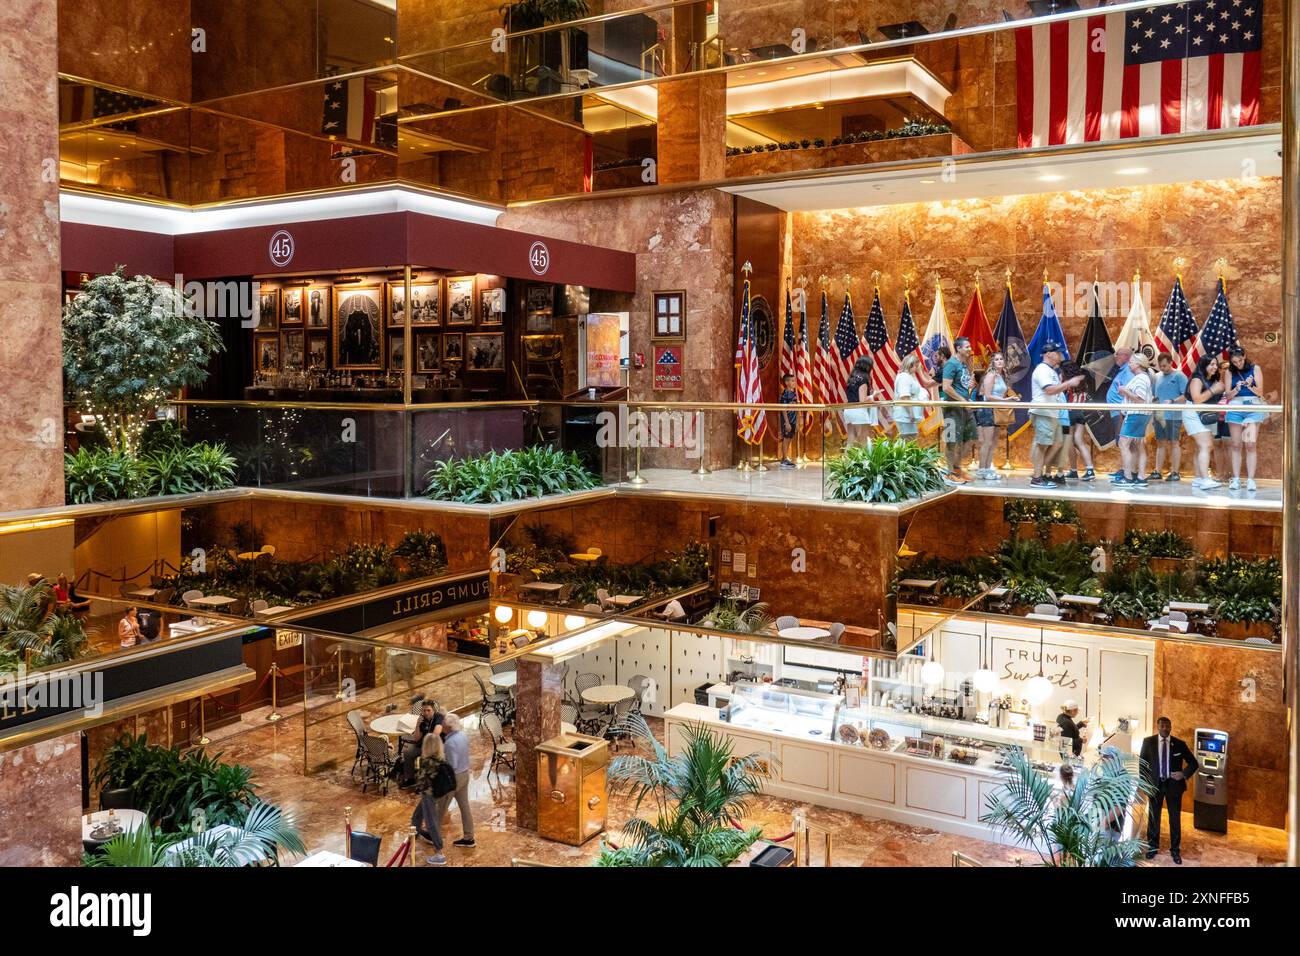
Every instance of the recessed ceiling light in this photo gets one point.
(1134, 171)
(926, 182)
(1050, 178)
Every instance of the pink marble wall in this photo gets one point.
(537, 719)
(31, 416)
(40, 803)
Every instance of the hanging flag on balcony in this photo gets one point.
(752, 422)
(1011, 343)
(1177, 331)
(1181, 68)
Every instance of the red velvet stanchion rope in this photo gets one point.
(399, 857)
(238, 704)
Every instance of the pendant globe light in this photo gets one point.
(984, 679)
(932, 671)
(1039, 688)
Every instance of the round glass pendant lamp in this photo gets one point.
(503, 614)
(536, 619)
(932, 671)
(984, 680)
(573, 621)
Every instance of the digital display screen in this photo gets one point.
(1213, 745)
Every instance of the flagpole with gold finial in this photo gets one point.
(800, 458)
(1006, 455)
(745, 460)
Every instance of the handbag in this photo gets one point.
(1005, 417)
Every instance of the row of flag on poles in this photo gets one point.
(821, 368)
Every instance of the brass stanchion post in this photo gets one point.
(275, 714)
(703, 468)
(204, 739)
(637, 478)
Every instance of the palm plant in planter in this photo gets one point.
(1080, 826)
(727, 616)
(256, 837)
(885, 470)
(33, 629)
(699, 798)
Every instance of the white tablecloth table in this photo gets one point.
(128, 820)
(328, 858)
(394, 725)
(803, 633)
(505, 680)
(214, 601)
(625, 600)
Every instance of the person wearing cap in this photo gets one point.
(1133, 431)
(1048, 387)
(1118, 379)
(1071, 727)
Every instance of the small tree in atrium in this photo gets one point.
(129, 345)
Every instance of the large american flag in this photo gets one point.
(876, 337)
(847, 343)
(1173, 68)
(827, 368)
(787, 340)
(752, 422)
(1176, 333)
(907, 340)
(803, 373)
(1218, 334)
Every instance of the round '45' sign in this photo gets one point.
(539, 258)
(281, 248)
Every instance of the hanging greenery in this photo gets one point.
(129, 345)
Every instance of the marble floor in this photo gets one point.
(804, 485)
(275, 752)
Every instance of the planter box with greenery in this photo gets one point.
(34, 632)
(164, 466)
(1164, 552)
(885, 470)
(514, 475)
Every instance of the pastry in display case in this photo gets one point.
(784, 710)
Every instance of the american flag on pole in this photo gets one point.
(787, 340)
(349, 111)
(803, 373)
(1218, 334)
(881, 350)
(1178, 68)
(847, 344)
(1177, 331)
(826, 370)
(752, 422)
(907, 344)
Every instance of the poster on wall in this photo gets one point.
(485, 352)
(606, 346)
(268, 353)
(318, 350)
(668, 367)
(268, 310)
(318, 316)
(494, 307)
(293, 306)
(293, 350)
(460, 300)
(358, 325)
(669, 315)
(426, 352)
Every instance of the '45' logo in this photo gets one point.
(539, 258)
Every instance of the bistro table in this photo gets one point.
(608, 694)
(547, 588)
(394, 725)
(268, 611)
(214, 601)
(1188, 607)
(328, 858)
(251, 556)
(625, 600)
(505, 680)
(143, 594)
(128, 820)
(584, 556)
(803, 633)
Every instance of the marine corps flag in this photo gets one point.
(1096, 357)
(975, 326)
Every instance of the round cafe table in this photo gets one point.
(389, 726)
(803, 633)
(128, 820)
(607, 694)
(505, 680)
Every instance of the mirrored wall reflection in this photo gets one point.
(371, 691)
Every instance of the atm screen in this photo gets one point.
(1213, 745)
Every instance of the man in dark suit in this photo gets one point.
(1167, 765)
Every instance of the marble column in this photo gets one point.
(692, 129)
(31, 417)
(539, 691)
(40, 803)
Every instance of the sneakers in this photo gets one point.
(1041, 482)
(786, 463)
(1234, 485)
(1089, 475)
(1250, 485)
(464, 842)
(1154, 476)
(1120, 482)
(436, 860)
(1137, 481)
(1173, 476)
(1118, 476)
(1206, 484)
(956, 478)
(1072, 475)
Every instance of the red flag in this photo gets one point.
(975, 326)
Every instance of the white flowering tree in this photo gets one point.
(129, 345)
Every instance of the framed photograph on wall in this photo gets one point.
(453, 346)
(318, 352)
(293, 350)
(539, 298)
(426, 351)
(543, 348)
(293, 301)
(460, 300)
(485, 352)
(358, 327)
(669, 314)
(396, 353)
(318, 308)
(426, 303)
(267, 350)
(268, 310)
(493, 310)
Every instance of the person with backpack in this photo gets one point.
(437, 784)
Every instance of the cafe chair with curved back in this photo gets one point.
(603, 596)
(117, 798)
(837, 631)
(358, 844)
(258, 606)
(618, 728)
(359, 728)
(376, 762)
(569, 714)
(786, 620)
(417, 705)
(190, 596)
(590, 716)
(504, 667)
(503, 751)
(593, 609)
(639, 684)
(494, 701)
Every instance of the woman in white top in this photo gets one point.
(128, 629)
(993, 388)
(908, 388)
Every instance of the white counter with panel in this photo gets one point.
(809, 765)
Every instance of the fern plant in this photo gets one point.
(727, 616)
(885, 470)
(509, 476)
(31, 626)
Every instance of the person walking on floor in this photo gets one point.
(437, 783)
(457, 748)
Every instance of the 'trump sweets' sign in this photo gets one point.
(1064, 665)
(414, 601)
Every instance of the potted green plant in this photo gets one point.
(885, 470)
(1078, 826)
(34, 631)
(257, 837)
(699, 797)
(1163, 551)
(1238, 618)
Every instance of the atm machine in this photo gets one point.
(1210, 790)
